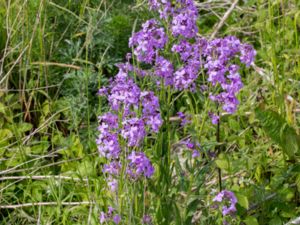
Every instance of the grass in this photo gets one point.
(54, 57)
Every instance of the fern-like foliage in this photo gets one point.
(277, 128)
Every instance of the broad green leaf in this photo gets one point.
(275, 221)
(23, 127)
(243, 200)
(250, 220)
(222, 164)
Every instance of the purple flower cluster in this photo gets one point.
(215, 56)
(229, 200)
(151, 114)
(109, 216)
(107, 141)
(133, 114)
(219, 54)
(164, 69)
(133, 131)
(181, 17)
(139, 165)
(184, 19)
(126, 101)
(147, 41)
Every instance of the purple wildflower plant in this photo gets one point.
(135, 113)
(229, 200)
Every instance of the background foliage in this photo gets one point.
(56, 54)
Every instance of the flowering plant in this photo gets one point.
(170, 55)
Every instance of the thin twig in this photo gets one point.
(41, 177)
(225, 17)
(45, 204)
(57, 64)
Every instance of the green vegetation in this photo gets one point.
(56, 54)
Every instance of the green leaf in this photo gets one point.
(250, 220)
(275, 221)
(279, 131)
(298, 182)
(222, 164)
(23, 127)
(243, 201)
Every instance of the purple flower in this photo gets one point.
(108, 121)
(124, 93)
(102, 91)
(108, 145)
(192, 147)
(214, 118)
(229, 198)
(103, 217)
(184, 48)
(151, 114)
(184, 20)
(247, 54)
(195, 154)
(184, 77)
(147, 220)
(139, 165)
(134, 131)
(117, 219)
(164, 69)
(147, 41)
(113, 168)
(113, 184)
(154, 122)
(185, 119)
